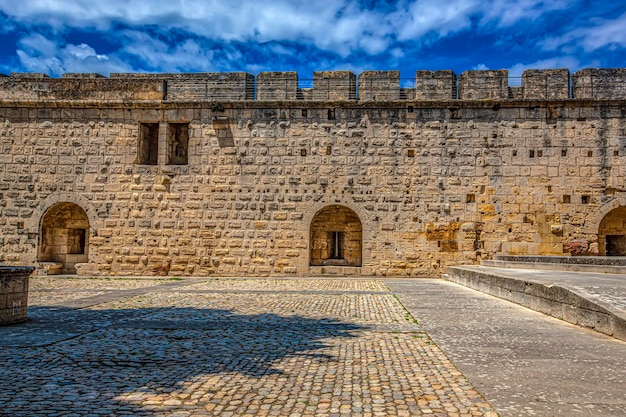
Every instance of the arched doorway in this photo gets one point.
(335, 237)
(612, 233)
(64, 236)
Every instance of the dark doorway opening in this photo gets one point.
(615, 245)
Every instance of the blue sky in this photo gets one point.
(60, 36)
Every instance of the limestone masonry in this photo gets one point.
(231, 174)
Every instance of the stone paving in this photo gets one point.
(205, 347)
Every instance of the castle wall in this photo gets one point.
(433, 182)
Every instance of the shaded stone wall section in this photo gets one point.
(612, 233)
(64, 236)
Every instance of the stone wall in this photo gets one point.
(433, 182)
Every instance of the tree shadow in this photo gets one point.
(90, 359)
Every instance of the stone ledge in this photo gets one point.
(602, 264)
(553, 300)
(605, 269)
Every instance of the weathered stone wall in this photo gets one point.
(433, 182)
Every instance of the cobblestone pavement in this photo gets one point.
(205, 347)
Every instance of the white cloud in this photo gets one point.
(150, 32)
(510, 12)
(341, 26)
(571, 63)
(425, 16)
(603, 33)
(37, 53)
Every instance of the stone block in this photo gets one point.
(599, 83)
(484, 85)
(334, 86)
(435, 85)
(549, 84)
(379, 85)
(277, 86)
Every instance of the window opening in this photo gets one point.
(335, 241)
(148, 152)
(178, 141)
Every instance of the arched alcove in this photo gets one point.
(336, 236)
(64, 236)
(612, 233)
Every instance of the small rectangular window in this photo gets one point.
(335, 245)
(539, 153)
(411, 153)
(331, 114)
(148, 149)
(531, 153)
(563, 152)
(567, 199)
(178, 143)
(585, 199)
(589, 153)
(329, 150)
(470, 198)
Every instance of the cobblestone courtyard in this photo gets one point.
(204, 347)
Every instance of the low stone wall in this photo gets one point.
(14, 293)
(553, 300)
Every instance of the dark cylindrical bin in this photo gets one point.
(14, 293)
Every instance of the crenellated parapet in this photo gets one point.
(444, 85)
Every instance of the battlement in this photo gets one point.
(493, 85)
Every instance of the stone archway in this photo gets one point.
(336, 236)
(612, 233)
(64, 236)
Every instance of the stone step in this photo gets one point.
(335, 270)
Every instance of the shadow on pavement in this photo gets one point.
(84, 360)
